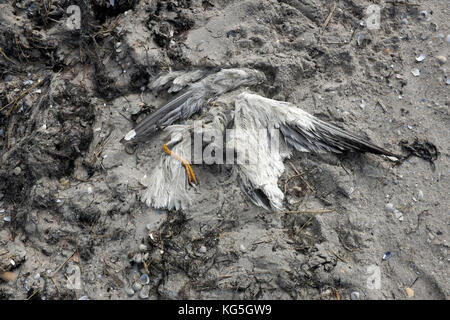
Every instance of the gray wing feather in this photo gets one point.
(163, 117)
(325, 137)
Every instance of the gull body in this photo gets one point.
(265, 130)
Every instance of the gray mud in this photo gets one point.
(72, 224)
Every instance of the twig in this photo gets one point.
(21, 96)
(34, 293)
(304, 225)
(381, 105)
(5, 56)
(59, 268)
(337, 256)
(310, 211)
(54, 282)
(396, 3)
(328, 19)
(299, 174)
(414, 282)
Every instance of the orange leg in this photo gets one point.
(186, 165)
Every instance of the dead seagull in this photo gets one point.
(256, 135)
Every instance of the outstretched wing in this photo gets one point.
(192, 98)
(256, 116)
(185, 104)
(182, 106)
(303, 131)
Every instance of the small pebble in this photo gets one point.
(442, 59)
(242, 248)
(142, 247)
(17, 171)
(447, 39)
(404, 21)
(7, 219)
(354, 295)
(410, 292)
(148, 226)
(137, 286)
(388, 207)
(360, 39)
(137, 258)
(420, 195)
(415, 72)
(28, 82)
(8, 78)
(398, 215)
(130, 292)
(202, 249)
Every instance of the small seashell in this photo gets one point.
(360, 39)
(7, 219)
(137, 258)
(405, 21)
(447, 38)
(202, 249)
(442, 59)
(144, 293)
(409, 292)
(388, 207)
(420, 195)
(142, 247)
(354, 295)
(415, 72)
(421, 57)
(130, 292)
(386, 256)
(398, 215)
(144, 279)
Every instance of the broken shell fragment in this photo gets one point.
(421, 57)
